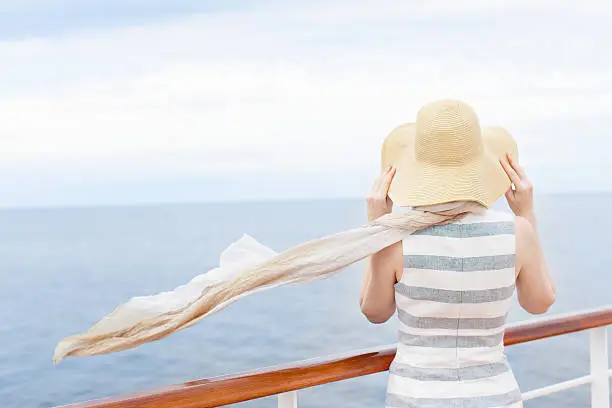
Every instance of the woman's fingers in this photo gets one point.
(383, 182)
(517, 167)
(520, 198)
(386, 184)
(378, 192)
(378, 201)
(512, 174)
(379, 179)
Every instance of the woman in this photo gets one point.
(452, 285)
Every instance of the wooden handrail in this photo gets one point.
(275, 380)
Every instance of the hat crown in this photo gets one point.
(447, 134)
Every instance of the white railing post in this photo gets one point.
(289, 400)
(600, 387)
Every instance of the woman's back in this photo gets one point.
(452, 301)
(452, 285)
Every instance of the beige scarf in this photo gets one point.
(247, 267)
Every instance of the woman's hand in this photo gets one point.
(520, 198)
(378, 201)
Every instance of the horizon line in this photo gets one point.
(263, 200)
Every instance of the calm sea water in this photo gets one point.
(63, 269)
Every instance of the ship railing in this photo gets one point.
(285, 381)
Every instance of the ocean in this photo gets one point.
(61, 270)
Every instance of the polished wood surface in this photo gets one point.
(242, 387)
(557, 326)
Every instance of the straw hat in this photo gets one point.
(445, 156)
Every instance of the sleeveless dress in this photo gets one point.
(452, 303)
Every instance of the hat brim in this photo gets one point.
(417, 184)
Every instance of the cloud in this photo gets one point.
(302, 89)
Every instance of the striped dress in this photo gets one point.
(452, 302)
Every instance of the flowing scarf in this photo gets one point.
(246, 267)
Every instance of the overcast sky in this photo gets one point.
(127, 101)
